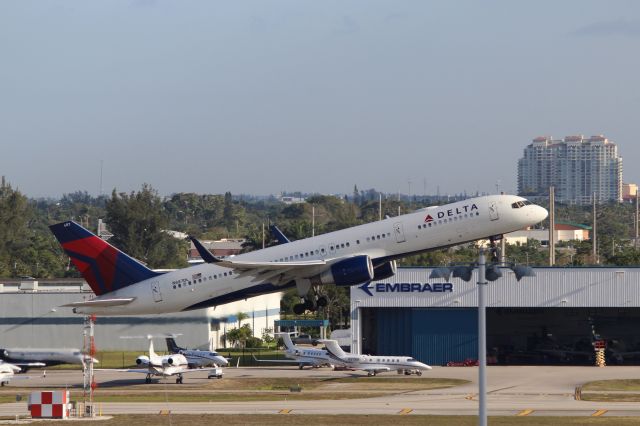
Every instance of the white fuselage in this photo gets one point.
(200, 359)
(46, 356)
(320, 357)
(7, 371)
(392, 238)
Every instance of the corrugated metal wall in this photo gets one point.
(433, 336)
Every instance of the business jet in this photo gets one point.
(28, 358)
(197, 358)
(373, 364)
(7, 372)
(302, 356)
(351, 256)
(161, 365)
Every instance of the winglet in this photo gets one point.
(203, 252)
(278, 234)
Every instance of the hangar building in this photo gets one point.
(552, 318)
(31, 316)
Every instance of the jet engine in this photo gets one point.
(142, 360)
(386, 270)
(352, 271)
(175, 359)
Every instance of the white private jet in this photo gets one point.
(7, 372)
(161, 365)
(351, 256)
(373, 364)
(28, 358)
(301, 355)
(197, 358)
(332, 355)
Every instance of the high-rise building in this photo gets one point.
(576, 166)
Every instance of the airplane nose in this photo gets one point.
(541, 213)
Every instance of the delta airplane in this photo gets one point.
(197, 358)
(34, 358)
(161, 365)
(373, 364)
(7, 372)
(351, 256)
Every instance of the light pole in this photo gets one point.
(491, 273)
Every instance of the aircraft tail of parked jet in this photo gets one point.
(104, 267)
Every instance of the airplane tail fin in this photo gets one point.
(103, 266)
(172, 346)
(152, 353)
(286, 338)
(333, 348)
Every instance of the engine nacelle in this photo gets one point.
(386, 270)
(352, 271)
(142, 360)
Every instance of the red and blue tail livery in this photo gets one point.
(103, 266)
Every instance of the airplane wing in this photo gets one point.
(377, 370)
(100, 303)
(282, 361)
(262, 271)
(30, 364)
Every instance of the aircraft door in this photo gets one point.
(398, 231)
(493, 211)
(155, 291)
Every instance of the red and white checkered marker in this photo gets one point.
(49, 404)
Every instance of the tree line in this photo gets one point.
(138, 221)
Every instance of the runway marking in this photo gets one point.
(165, 412)
(599, 413)
(405, 411)
(525, 412)
(285, 411)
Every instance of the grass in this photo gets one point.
(612, 385)
(357, 420)
(257, 389)
(624, 390)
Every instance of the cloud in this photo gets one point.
(619, 27)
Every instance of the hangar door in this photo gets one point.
(433, 336)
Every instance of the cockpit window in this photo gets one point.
(411, 359)
(519, 204)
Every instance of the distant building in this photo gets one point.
(629, 192)
(576, 166)
(223, 247)
(564, 231)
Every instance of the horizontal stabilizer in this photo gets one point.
(100, 303)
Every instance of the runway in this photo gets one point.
(532, 391)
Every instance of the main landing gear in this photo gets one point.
(148, 379)
(179, 379)
(494, 250)
(310, 304)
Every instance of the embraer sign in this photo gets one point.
(407, 288)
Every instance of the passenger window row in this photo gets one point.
(199, 280)
(435, 223)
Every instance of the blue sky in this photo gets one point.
(263, 96)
